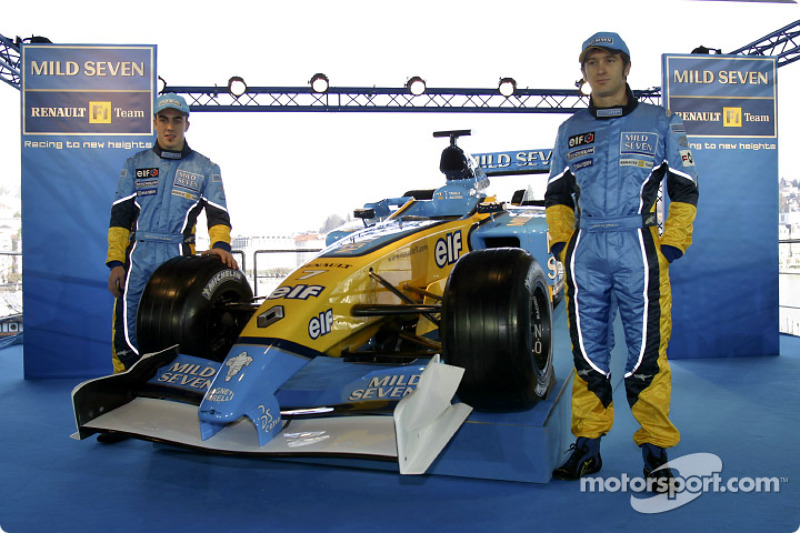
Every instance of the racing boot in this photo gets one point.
(660, 479)
(585, 460)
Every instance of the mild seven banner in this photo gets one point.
(725, 290)
(85, 109)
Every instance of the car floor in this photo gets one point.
(743, 410)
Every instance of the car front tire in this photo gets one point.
(186, 302)
(497, 325)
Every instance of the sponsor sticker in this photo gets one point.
(448, 249)
(581, 139)
(220, 394)
(184, 194)
(638, 143)
(146, 173)
(386, 387)
(188, 375)
(187, 180)
(236, 364)
(583, 152)
(635, 163)
(321, 325)
(677, 128)
(609, 113)
(296, 292)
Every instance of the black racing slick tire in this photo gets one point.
(497, 324)
(187, 301)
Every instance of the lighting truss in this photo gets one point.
(782, 44)
(379, 99)
(9, 62)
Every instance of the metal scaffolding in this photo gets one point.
(9, 62)
(781, 44)
(378, 99)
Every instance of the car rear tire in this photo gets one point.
(497, 325)
(186, 302)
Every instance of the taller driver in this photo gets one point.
(608, 164)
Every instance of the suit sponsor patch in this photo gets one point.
(641, 143)
(636, 163)
(581, 139)
(187, 180)
(577, 154)
(677, 128)
(146, 173)
(185, 194)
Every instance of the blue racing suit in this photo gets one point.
(602, 196)
(153, 218)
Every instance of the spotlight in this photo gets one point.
(584, 87)
(35, 39)
(703, 50)
(319, 83)
(507, 86)
(236, 86)
(416, 86)
(162, 85)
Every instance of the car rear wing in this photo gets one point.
(536, 161)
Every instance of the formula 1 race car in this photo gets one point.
(358, 352)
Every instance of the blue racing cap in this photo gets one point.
(605, 40)
(171, 100)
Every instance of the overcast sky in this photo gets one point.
(289, 171)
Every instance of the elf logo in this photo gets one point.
(581, 139)
(298, 292)
(142, 173)
(448, 249)
(321, 325)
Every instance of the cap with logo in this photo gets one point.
(605, 40)
(171, 101)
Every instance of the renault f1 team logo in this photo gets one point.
(732, 117)
(581, 139)
(99, 112)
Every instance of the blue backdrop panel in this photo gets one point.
(725, 290)
(85, 109)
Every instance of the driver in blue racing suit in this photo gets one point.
(608, 164)
(159, 196)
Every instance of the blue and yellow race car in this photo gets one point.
(379, 347)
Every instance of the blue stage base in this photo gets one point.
(524, 446)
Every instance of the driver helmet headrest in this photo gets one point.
(454, 164)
